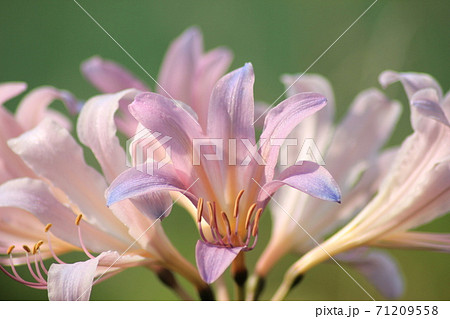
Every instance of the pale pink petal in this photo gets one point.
(379, 269)
(133, 183)
(109, 77)
(179, 65)
(33, 108)
(357, 140)
(417, 240)
(281, 120)
(53, 154)
(97, 130)
(429, 198)
(35, 197)
(231, 110)
(8, 126)
(172, 123)
(11, 89)
(309, 178)
(412, 82)
(446, 105)
(71, 282)
(212, 261)
(315, 83)
(210, 68)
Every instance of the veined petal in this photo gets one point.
(53, 154)
(34, 106)
(133, 183)
(97, 130)
(212, 260)
(71, 282)
(365, 129)
(35, 197)
(309, 178)
(412, 82)
(417, 240)
(379, 269)
(109, 77)
(173, 125)
(178, 67)
(231, 109)
(210, 68)
(281, 120)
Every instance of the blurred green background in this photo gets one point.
(44, 42)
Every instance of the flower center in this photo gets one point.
(226, 229)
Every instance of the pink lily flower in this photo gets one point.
(187, 74)
(32, 109)
(67, 196)
(229, 191)
(415, 191)
(352, 155)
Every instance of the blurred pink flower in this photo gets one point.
(352, 155)
(67, 195)
(187, 74)
(32, 109)
(415, 190)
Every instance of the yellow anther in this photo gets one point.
(26, 248)
(236, 203)
(78, 220)
(37, 246)
(199, 209)
(249, 215)
(255, 225)
(47, 227)
(10, 249)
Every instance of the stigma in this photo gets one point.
(235, 229)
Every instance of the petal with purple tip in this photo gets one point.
(212, 260)
(109, 77)
(282, 119)
(309, 178)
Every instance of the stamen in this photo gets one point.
(227, 225)
(47, 227)
(80, 238)
(55, 257)
(249, 215)
(236, 203)
(256, 222)
(27, 250)
(10, 249)
(41, 261)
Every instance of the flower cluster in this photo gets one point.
(193, 142)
